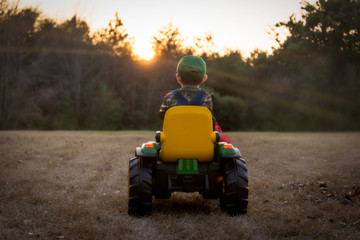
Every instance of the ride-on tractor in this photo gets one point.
(187, 157)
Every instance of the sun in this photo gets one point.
(143, 53)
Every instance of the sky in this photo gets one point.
(234, 24)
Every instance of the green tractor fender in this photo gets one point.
(227, 150)
(148, 149)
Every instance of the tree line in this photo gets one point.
(60, 75)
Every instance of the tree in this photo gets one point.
(16, 32)
(328, 25)
(65, 67)
(204, 46)
(114, 37)
(160, 78)
(55, 75)
(333, 25)
(318, 62)
(229, 112)
(168, 42)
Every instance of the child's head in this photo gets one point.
(191, 70)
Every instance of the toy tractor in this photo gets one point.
(187, 157)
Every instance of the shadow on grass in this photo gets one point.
(185, 203)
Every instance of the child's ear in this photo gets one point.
(178, 79)
(204, 79)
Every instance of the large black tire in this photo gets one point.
(235, 191)
(140, 187)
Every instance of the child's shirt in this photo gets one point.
(188, 92)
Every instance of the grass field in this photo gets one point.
(73, 185)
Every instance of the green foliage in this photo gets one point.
(168, 42)
(103, 111)
(229, 112)
(317, 64)
(56, 75)
(17, 27)
(114, 38)
(333, 25)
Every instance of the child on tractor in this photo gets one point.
(190, 74)
(188, 154)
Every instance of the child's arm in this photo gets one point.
(162, 112)
(208, 101)
(168, 102)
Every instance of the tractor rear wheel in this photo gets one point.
(140, 186)
(234, 196)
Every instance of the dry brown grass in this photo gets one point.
(73, 185)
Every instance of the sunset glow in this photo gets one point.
(143, 52)
(241, 25)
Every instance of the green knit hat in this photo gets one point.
(192, 68)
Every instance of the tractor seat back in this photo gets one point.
(187, 134)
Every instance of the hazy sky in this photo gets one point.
(235, 24)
